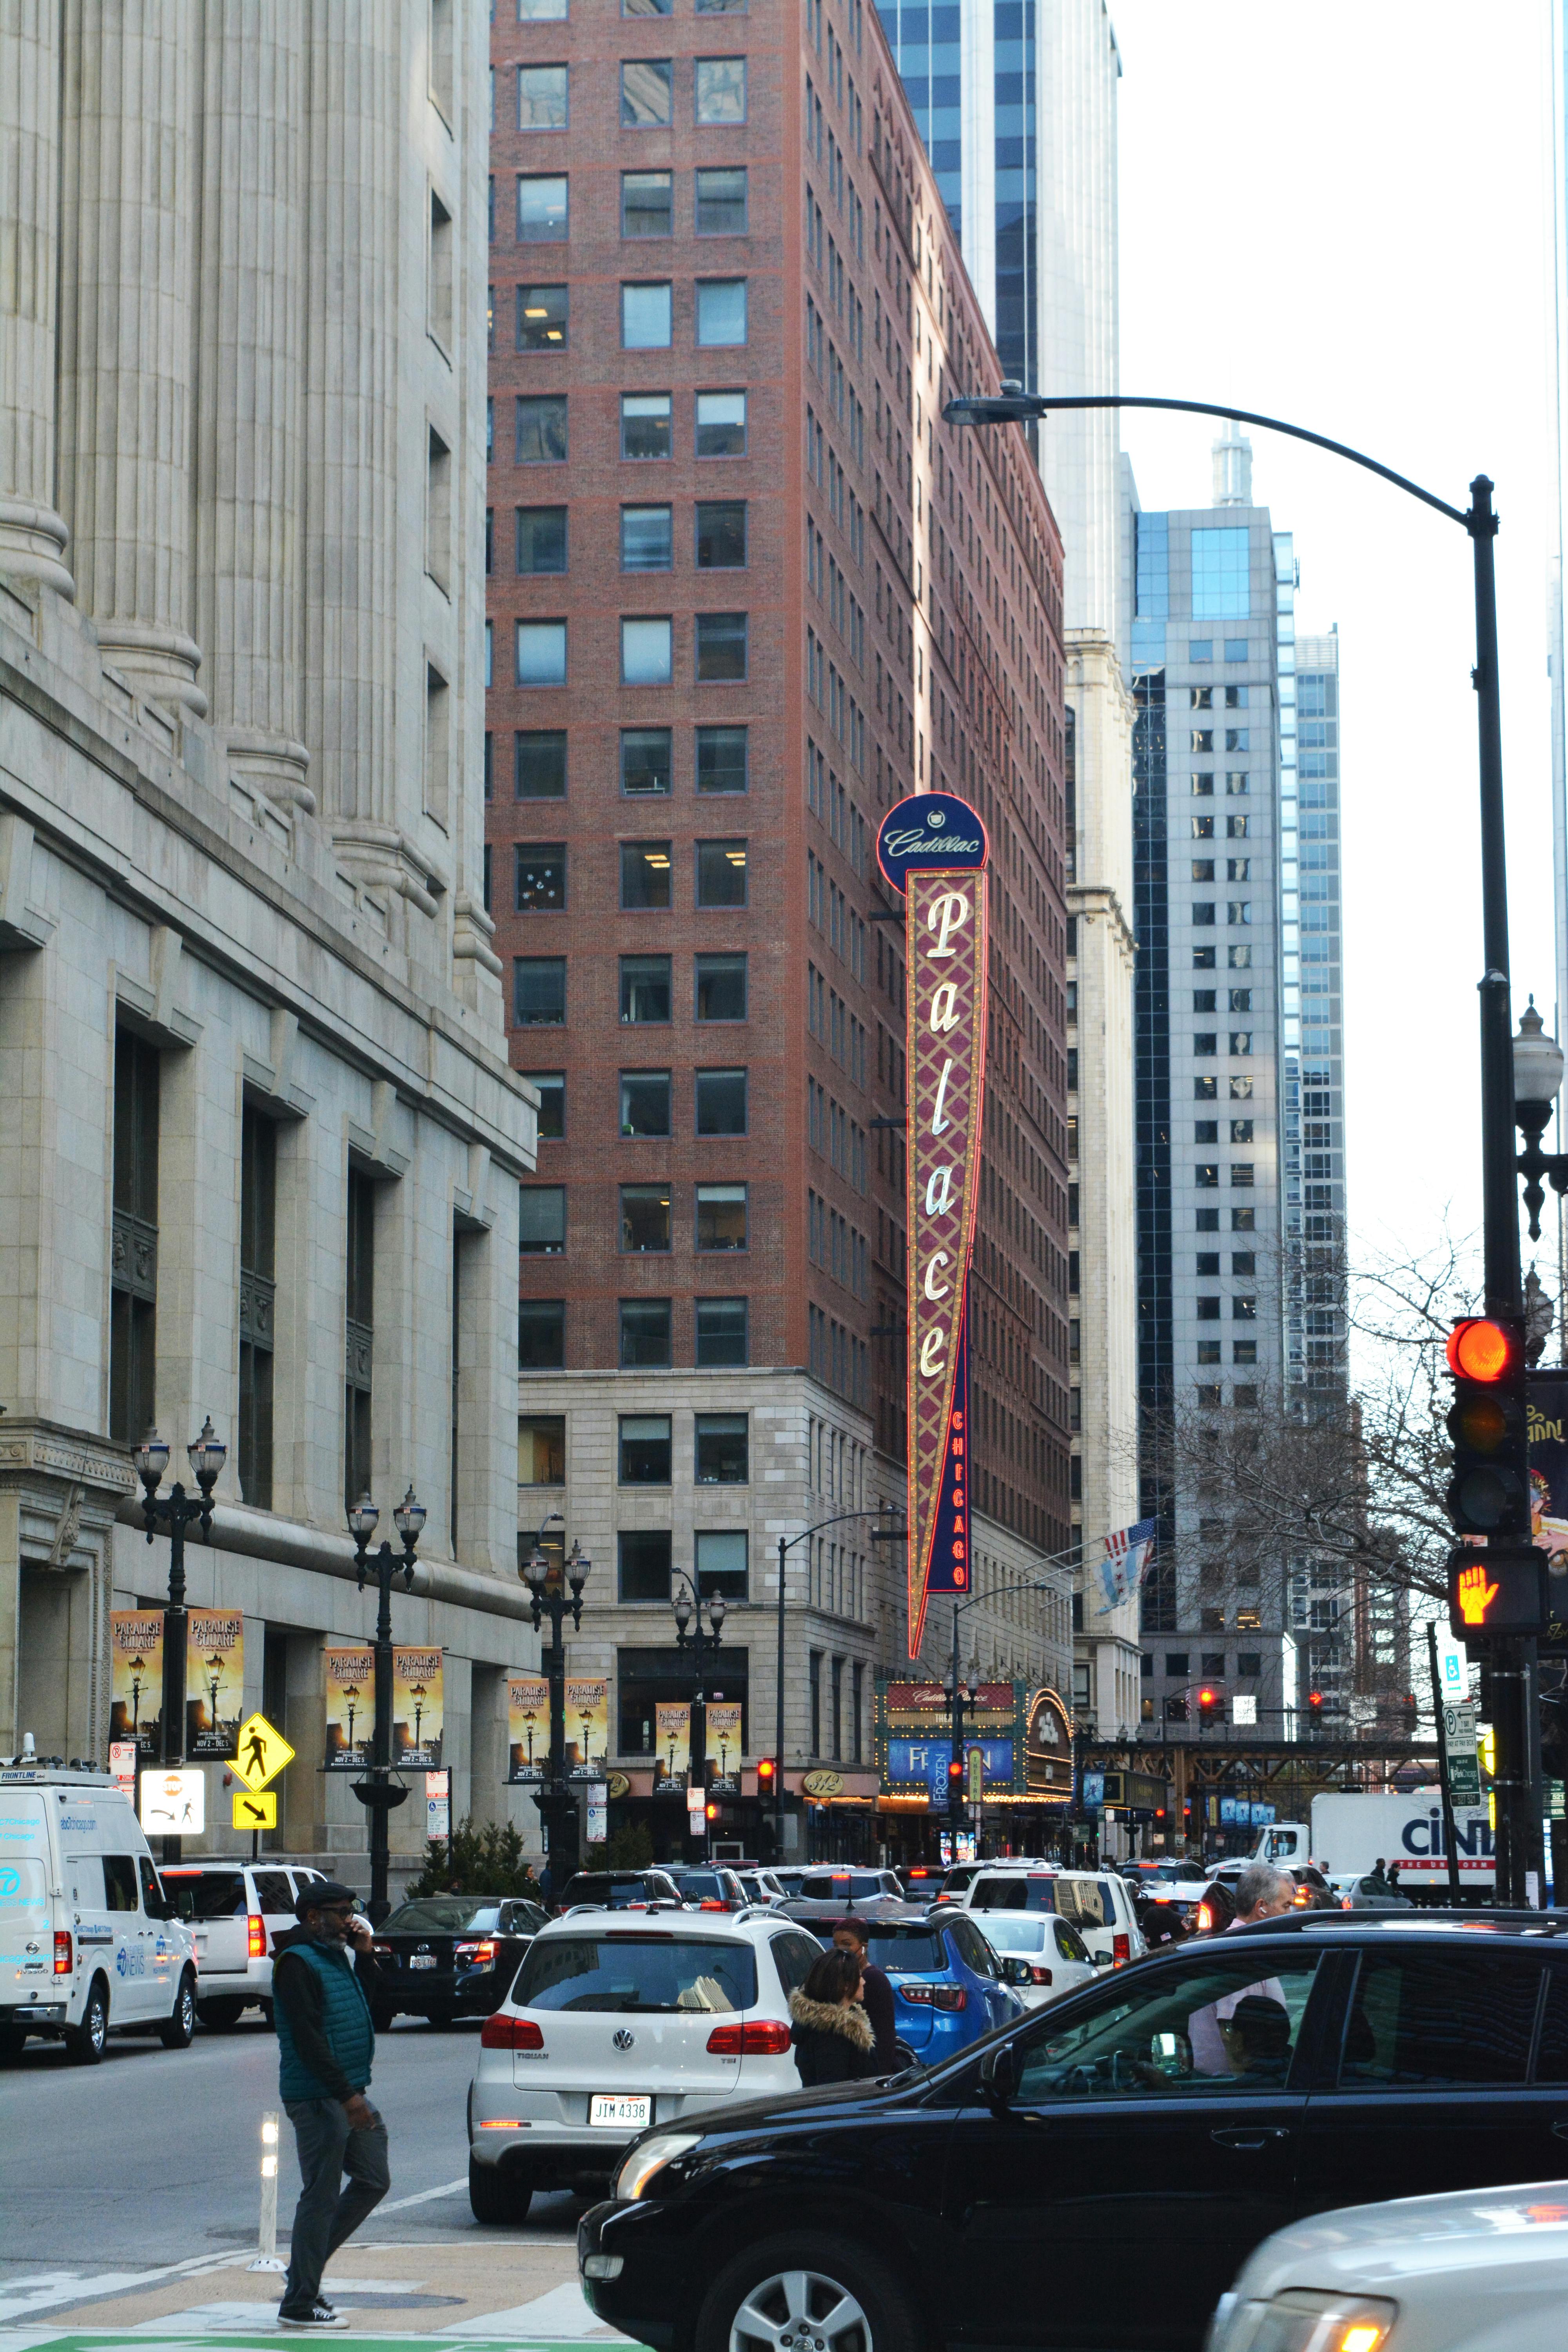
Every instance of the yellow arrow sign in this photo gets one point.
(255, 1813)
(259, 1753)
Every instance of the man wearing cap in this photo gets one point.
(326, 2043)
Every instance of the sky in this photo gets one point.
(1338, 215)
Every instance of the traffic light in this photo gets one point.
(1497, 1591)
(1315, 1702)
(954, 1774)
(767, 1776)
(1208, 1708)
(712, 1810)
(1488, 1492)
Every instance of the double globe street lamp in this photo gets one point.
(380, 1795)
(171, 1515)
(555, 1588)
(687, 1603)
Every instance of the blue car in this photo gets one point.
(946, 1979)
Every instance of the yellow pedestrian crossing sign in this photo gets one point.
(257, 1812)
(259, 1753)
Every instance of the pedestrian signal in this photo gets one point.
(1489, 1493)
(1496, 1591)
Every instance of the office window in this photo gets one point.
(645, 989)
(646, 539)
(1208, 1352)
(721, 311)
(1240, 999)
(1205, 1130)
(490, 542)
(642, 1563)
(720, 1216)
(1236, 697)
(645, 1103)
(721, 202)
(1209, 1310)
(1205, 1042)
(542, 429)
(1205, 1089)
(721, 1563)
(552, 1089)
(720, 988)
(646, 89)
(535, 12)
(720, 423)
(721, 873)
(720, 7)
(1220, 566)
(541, 539)
(644, 317)
(721, 648)
(1244, 1310)
(539, 762)
(542, 318)
(645, 1449)
(1236, 828)
(645, 1337)
(537, 992)
(1199, 697)
(1237, 785)
(542, 215)
(720, 759)
(1236, 739)
(720, 534)
(647, 7)
(719, 1449)
(541, 1335)
(645, 1217)
(814, 1689)
(1241, 1090)
(258, 1295)
(1241, 1131)
(721, 1337)
(542, 1449)
(540, 1220)
(359, 1352)
(1203, 959)
(647, 205)
(1241, 1173)
(1241, 1041)
(1203, 786)
(1203, 1000)
(1203, 869)
(1238, 958)
(1244, 1262)
(720, 89)
(1243, 1221)
(541, 96)
(540, 870)
(1200, 649)
(1205, 1176)
(1244, 1351)
(645, 874)
(542, 653)
(646, 652)
(646, 762)
(134, 1261)
(838, 1728)
(645, 425)
(720, 1102)
(1236, 649)
(1209, 1263)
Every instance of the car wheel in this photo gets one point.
(84, 2042)
(178, 2029)
(219, 2014)
(12, 2042)
(266, 2015)
(493, 2197)
(792, 2294)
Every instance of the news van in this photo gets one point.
(89, 1941)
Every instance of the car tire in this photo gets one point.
(493, 2197)
(834, 2269)
(178, 2029)
(84, 2042)
(266, 2015)
(219, 2014)
(12, 2042)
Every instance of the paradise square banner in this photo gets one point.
(350, 1708)
(215, 1681)
(721, 1742)
(136, 1692)
(673, 1746)
(417, 1709)
(587, 1726)
(528, 1728)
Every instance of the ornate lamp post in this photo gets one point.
(172, 1513)
(379, 1794)
(555, 1588)
(704, 1648)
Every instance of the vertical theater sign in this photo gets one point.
(933, 848)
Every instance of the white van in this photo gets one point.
(88, 1943)
(1098, 1904)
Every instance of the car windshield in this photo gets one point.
(613, 1893)
(444, 1915)
(1014, 1931)
(906, 1951)
(1034, 1893)
(696, 1883)
(656, 1974)
(855, 1886)
(205, 1894)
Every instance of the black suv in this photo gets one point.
(618, 1890)
(1094, 2175)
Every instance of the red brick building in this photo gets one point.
(746, 590)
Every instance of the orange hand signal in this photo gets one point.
(1475, 1595)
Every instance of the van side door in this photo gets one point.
(129, 1999)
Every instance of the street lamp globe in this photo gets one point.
(1536, 1061)
(151, 1459)
(534, 1570)
(409, 1518)
(579, 1568)
(682, 1607)
(363, 1519)
(206, 1455)
(716, 1612)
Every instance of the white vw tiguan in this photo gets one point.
(617, 2021)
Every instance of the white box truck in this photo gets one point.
(1352, 1833)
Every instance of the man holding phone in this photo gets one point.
(326, 2043)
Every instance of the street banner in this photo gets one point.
(528, 1729)
(417, 1709)
(350, 1708)
(587, 1726)
(215, 1681)
(672, 1746)
(136, 1700)
(1547, 1407)
(933, 848)
(722, 1745)
(1128, 1551)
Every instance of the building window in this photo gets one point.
(720, 425)
(720, 89)
(644, 988)
(541, 1335)
(542, 653)
(721, 873)
(538, 764)
(257, 1298)
(646, 317)
(720, 312)
(538, 992)
(721, 1337)
(720, 1102)
(645, 1449)
(814, 1688)
(1220, 572)
(648, 539)
(645, 1218)
(646, 762)
(644, 875)
(541, 217)
(647, 7)
(645, 1336)
(720, 988)
(133, 1280)
(541, 1451)
(540, 1220)
(722, 758)
(539, 877)
(719, 1557)
(721, 1217)
(642, 1563)
(542, 429)
(540, 539)
(647, 651)
(551, 1088)
(645, 425)
(541, 96)
(721, 202)
(721, 535)
(542, 318)
(858, 1714)
(838, 1710)
(646, 203)
(359, 1336)
(721, 649)
(644, 1104)
(647, 92)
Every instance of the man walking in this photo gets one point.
(853, 1935)
(326, 2043)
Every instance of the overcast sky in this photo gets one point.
(1337, 215)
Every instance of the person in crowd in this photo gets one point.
(830, 2029)
(1262, 1892)
(852, 1936)
(1161, 1924)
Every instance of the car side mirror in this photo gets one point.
(999, 2075)
(1102, 1959)
(1017, 1971)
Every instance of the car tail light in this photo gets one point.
(504, 2033)
(713, 1903)
(1345, 1903)
(1121, 1948)
(1039, 1976)
(1205, 1918)
(476, 1956)
(382, 1951)
(949, 1996)
(62, 1952)
(758, 2037)
(1302, 1898)
(255, 1936)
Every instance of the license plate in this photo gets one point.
(621, 2114)
(422, 1959)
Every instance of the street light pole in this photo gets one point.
(555, 1589)
(378, 1795)
(704, 1648)
(173, 1513)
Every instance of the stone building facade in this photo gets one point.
(263, 1149)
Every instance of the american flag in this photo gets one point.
(1127, 1553)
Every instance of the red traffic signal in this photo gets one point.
(1207, 1698)
(1497, 1591)
(1482, 1350)
(1487, 1492)
(1315, 1701)
(712, 1812)
(765, 1771)
(956, 1770)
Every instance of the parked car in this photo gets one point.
(712, 1886)
(920, 1882)
(948, 1982)
(449, 1955)
(1098, 2173)
(618, 1890)
(1313, 1892)
(849, 1888)
(236, 1911)
(1042, 1957)
(614, 2025)
(1361, 1892)
(758, 1886)
(1101, 1905)
(1416, 2274)
(789, 1876)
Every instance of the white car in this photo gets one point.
(615, 2022)
(1042, 1957)
(1100, 1906)
(760, 1887)
(1485, 2270)
(236, 1911)
(848, 1886)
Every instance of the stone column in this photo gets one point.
(129, 224)
(249, 449)
(32, 535)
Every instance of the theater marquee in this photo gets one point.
(932, 849)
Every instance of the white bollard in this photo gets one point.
(267, 2253)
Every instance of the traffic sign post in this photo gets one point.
(260, 1753)
(255, 1813)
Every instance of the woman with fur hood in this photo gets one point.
(832, 2034)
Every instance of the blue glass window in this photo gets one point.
(1220, 569)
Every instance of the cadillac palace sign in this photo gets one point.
(933, 848)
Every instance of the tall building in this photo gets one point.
(747, 591)
(1554, 82)
(263, 1146)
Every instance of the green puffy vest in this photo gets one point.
(345, 2020)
